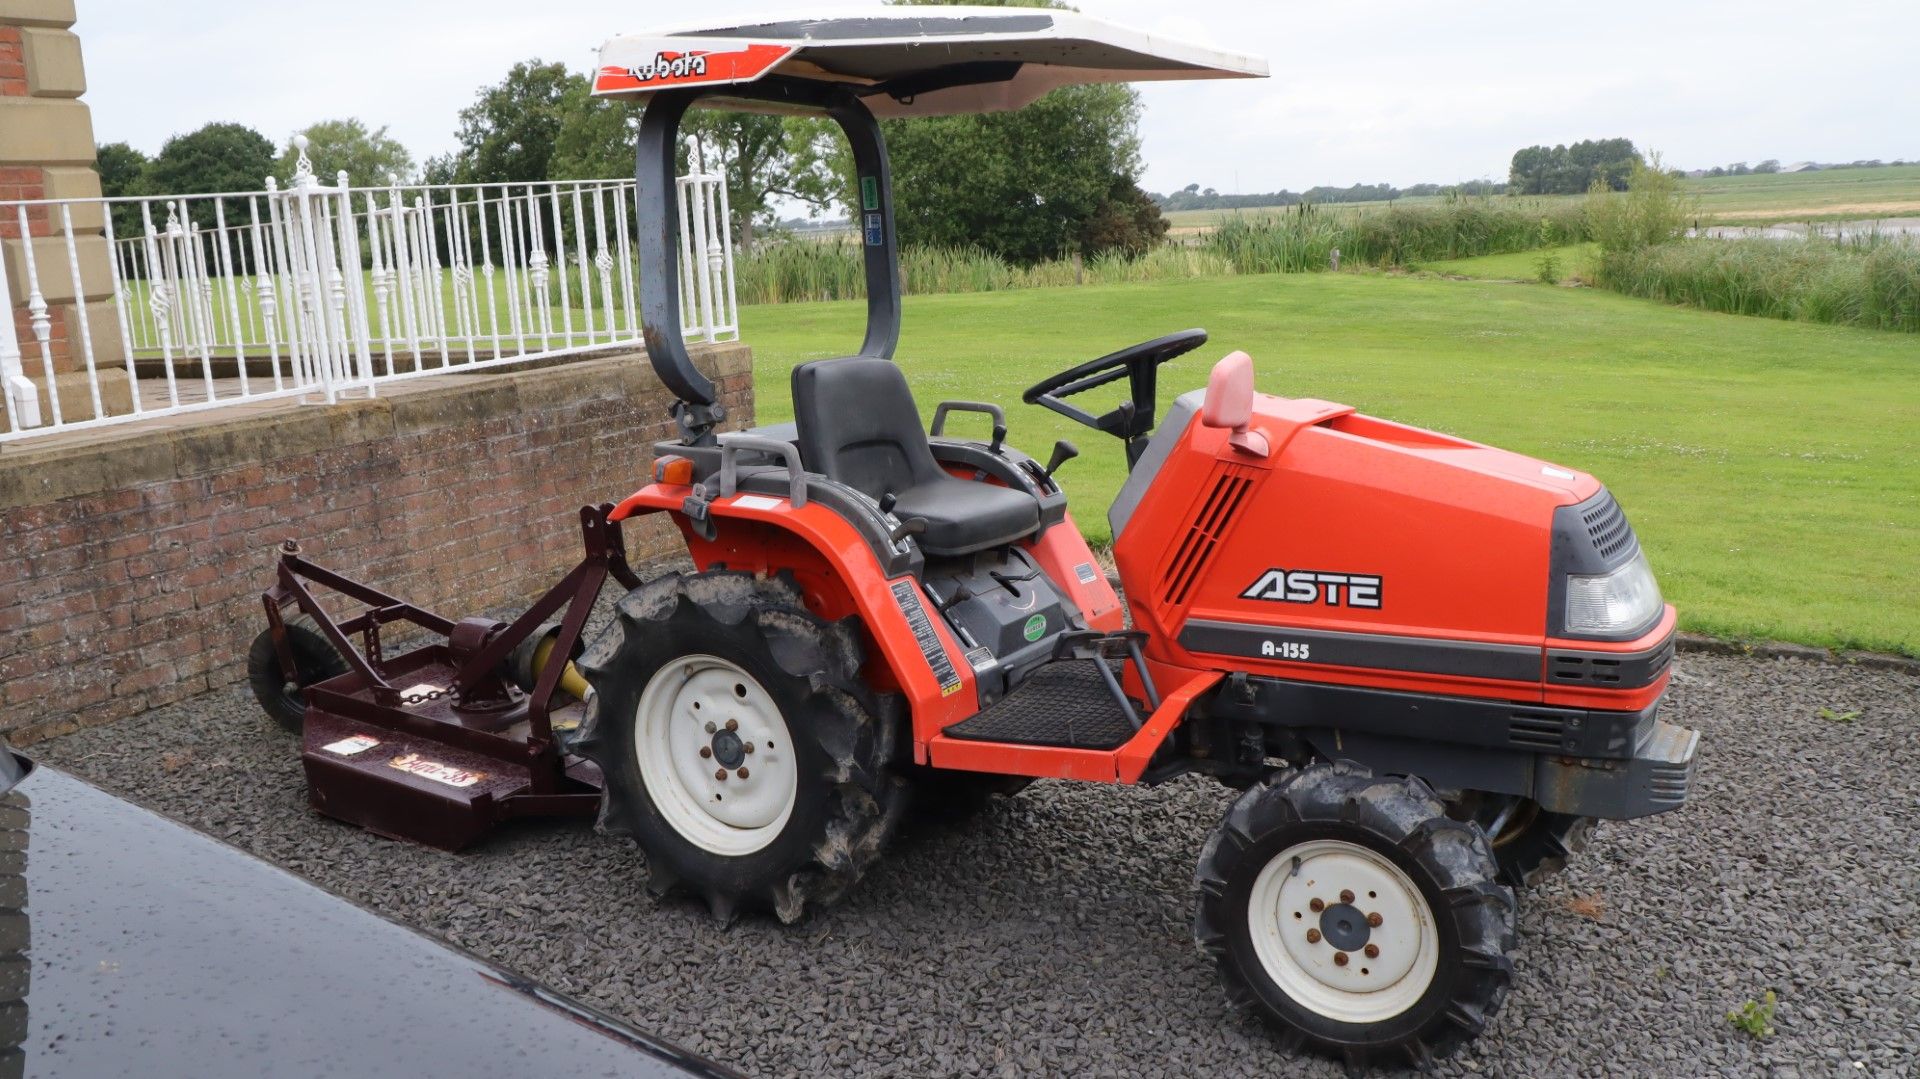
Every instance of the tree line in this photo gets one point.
(1575, 169)
(1195, 197)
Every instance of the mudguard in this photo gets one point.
(836, 569)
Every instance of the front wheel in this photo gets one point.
(1355, 916)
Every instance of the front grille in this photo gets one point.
(1536, 730)
(1630, 670)
(1607, 526)
(1585, 670)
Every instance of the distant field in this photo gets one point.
(1889, 191)
(1201, 220)
(1881, 192)
(1768, 466)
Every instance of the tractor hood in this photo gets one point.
(1355, 542)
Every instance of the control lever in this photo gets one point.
(912, 526)
(887, 501)
(1063, 451)
(961, 594)
(1010, 581)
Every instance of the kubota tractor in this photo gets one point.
(1427, 664)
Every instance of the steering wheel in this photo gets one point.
(1132, 421)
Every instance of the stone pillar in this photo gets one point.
(46, 152)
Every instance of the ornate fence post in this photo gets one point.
(22, 399)
(309, 270)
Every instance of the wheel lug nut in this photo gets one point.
(742, 773)
(1374, 920)
(706, 751)
(1346, 896)
(720, 774)
(1373, 951)
(748, 748)
(710, 728)
(1316, 906)
(1339, 959)
(1313, 936)
(733, 724)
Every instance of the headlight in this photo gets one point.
(1613, 602)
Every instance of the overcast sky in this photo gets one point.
(1395, 91)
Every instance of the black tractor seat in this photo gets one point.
(858, 425)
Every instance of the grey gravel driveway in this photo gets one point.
(1051, 936)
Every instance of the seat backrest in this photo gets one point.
(859, 425)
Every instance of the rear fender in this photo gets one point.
(910, 650)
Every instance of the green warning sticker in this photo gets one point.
(1035, 626)
(869, 193)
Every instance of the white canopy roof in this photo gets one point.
(914, 61)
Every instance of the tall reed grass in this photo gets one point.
(801, 271)
(1301, 240)
(1871, 281)
(1305, 238)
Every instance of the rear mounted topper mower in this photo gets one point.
(1428, 665)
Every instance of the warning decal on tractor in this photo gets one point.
(434, 770)
(347, 747)
(907, 595)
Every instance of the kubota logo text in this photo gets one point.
(1315, 586)
(671, 65)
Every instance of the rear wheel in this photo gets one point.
(1355, 916)
(738, 745)
(314, 661)
(1530, 843)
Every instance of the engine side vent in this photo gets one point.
(1196, 549)
(1607, 526)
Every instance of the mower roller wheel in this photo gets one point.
(314, 661)
(739, 746)
(1355, 916)
(1530, 843)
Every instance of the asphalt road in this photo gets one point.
(1052, 935)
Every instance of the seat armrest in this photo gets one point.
(991, 410)
(733, 442)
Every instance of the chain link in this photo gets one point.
(422, 698)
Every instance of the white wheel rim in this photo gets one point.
(705, 797)
(1307, 966)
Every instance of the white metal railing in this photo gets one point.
(321, 291)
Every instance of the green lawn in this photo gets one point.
(1771, 468)
(1515, 266)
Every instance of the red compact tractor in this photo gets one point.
(1427, 664)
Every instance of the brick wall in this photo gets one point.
(131, 562)
(13, 64)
